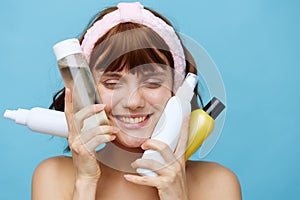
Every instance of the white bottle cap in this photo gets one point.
(191, 79)
(186, 90)
(66, 47)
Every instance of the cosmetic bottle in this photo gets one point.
(77, 76)
(168, 127)
(40, 120)
(202, 124)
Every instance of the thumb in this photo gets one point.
(68, 107)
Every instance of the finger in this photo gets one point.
(68, 110)
(151, 164)
(92, 144)
(155, 166)
(77, 144)
(87, 112)
(99, 130)
(183, 139)
(164, 149)
(142, 180)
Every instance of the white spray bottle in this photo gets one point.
(40, 120)
(168, 127)
(77, 77)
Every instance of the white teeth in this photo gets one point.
(132, 120)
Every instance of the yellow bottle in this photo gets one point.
(202, 124)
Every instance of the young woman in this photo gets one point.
(137, 62)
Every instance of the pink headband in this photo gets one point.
(135, 12)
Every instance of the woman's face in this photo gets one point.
(135, 101)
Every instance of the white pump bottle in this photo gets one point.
(168, 127)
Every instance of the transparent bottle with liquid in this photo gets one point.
(77, 76)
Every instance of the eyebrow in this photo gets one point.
(113, 74)
(147, 74)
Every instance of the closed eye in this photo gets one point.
(111, 80)
(152, 84)
(112, 84)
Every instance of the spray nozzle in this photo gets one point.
(19, 116)
(10, 114)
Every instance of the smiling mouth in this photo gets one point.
(132, 119)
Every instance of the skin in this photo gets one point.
(83, 176)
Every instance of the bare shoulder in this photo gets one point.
(53, 178)
(209, 180)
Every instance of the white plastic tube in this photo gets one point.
(168, 127)
(40, 120)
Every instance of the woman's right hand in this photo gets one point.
(84, 143)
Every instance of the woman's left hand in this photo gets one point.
(171, 178)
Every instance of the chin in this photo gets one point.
(130, 141)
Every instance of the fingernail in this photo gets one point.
(143, 146)
(116, 129)
(100, 106)
(127, 176)
(113, 137)
(132, 164)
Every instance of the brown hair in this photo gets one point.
(142, 46)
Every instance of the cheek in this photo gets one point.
(106, 97)
(158, 97)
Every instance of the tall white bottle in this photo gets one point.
(168, 127)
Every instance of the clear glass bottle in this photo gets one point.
(77, 76)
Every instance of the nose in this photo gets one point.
(134, 99)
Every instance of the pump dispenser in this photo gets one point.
(78, 78)
(168, 127)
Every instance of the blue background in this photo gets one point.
(254, 43)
